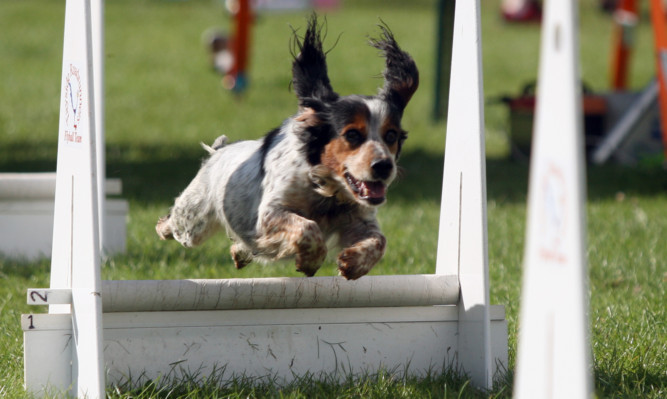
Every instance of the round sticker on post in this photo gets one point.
(553, 215)
(73, 104)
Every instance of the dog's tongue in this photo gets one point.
(373, 189)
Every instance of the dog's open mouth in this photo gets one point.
(371, 191)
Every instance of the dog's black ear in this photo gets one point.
(309, 69)
(401, 77)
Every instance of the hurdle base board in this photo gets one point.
(274, 343)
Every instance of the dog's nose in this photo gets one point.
(382, 168)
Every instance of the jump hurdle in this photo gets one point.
(104, 332)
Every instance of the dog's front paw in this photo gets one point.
(359, 259)
(311, 253)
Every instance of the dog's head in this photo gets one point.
(352, 141)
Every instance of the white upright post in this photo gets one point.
(97, 15)
(462, 240)
(553, 358)
(75, 262)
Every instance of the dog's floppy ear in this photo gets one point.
(309, 69)
(401, 77)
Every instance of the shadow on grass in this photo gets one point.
(158, 173)
(23, 268)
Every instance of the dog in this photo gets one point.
(319, 177)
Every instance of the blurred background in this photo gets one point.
(170, 84)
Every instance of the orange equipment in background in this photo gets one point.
(236, 78)
(660, 37)
(626, 17)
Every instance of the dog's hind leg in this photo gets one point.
(285, 234)
(192, 219)
(187, 229)
(163, 228)
(241, 255)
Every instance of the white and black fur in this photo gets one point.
(320, 175)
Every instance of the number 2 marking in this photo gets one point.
(40, 296)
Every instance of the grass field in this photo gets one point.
(162, 99)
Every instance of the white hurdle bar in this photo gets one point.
(264, 293)
(99, 334)
(278, 293)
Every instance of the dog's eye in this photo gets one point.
(390, 137)
(354, 137)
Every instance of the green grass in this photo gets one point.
(162, 99)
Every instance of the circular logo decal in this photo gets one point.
(73, 93)
(553, 217)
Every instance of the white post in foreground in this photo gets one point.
(97, 20)
(75, 262)
(553, 358)
(462, 239)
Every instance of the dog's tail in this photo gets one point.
(217, 144)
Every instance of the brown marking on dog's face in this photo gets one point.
(356, 131)
(346, 145)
